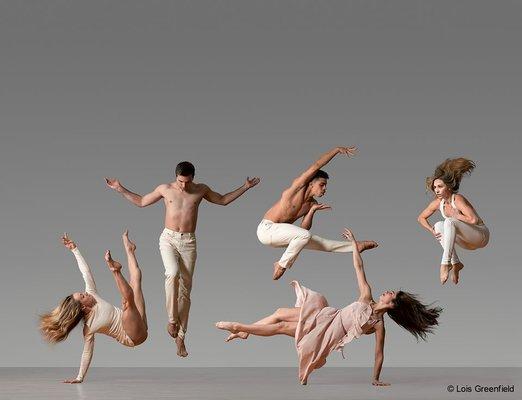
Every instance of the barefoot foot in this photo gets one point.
(172, 329)
(240, 335)
(278, 271)
(182, 351)
(227, 326)
(456, 269)
(127, 243)
(114, 266)
(366, 245)
(444, 272)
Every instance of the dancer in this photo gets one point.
(277, 229)
(127, 325)
(319, 329)
(462, 225)
(177, 242)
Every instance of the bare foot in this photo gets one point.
(172, 329)
(456, 269)
(444, 272)
(278, 271)
(366, 245)
(182, 351)
(129, 246)
(227, 326)
(240, 335)
(304, 382)
(114, 266)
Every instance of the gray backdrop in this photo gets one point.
(130, 88)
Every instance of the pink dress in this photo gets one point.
(322, 329)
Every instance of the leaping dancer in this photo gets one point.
(461, 226)
(177, 242)
(277, 229)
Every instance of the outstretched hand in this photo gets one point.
(348, 234)
(377, 382)
(251, 182)
(68, 242)
(72, 381)
(113, 183)
(320, 206)
(349, 151)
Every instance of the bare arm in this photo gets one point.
(380, 333)
(305, 177)
(464, 211)
(134, 198)
(426, 213)
(224, 199)
(365, 291)
(306, 223)
(90, 286)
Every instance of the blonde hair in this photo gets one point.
(56, 325)
(451, 172)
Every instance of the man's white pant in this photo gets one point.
(296, 239)
(178, 251)
(467, 236)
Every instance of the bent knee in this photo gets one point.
(439, 226)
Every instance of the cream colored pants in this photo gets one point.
(178, 251)
(467, 236)
(296, 239)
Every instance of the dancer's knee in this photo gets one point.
(305, 235)
(450, 221)
(439, 227)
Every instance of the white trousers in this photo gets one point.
(467, 236)
(178, 251)
(296, 239)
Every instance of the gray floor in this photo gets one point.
(255, 383)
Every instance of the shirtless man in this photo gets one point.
(277, 229)
(178, 242)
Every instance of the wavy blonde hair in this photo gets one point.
(451, 172)
(56, 325)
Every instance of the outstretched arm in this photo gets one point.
(306, 223)
(90, 286)
(464, 211)
(88, 348)
(365, 291)
(224, 199)
(425, 214)
(380, 333)
(134, 198)
(305, 177)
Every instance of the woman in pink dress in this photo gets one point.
(319, 329)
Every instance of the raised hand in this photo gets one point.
(72, 381)
(349, 151)
(113, 183)
(251, 182)
(377, 382)
(348, 234)
(320, 206)
(68, 242)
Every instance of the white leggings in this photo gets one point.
(467, 236)
(296, 239)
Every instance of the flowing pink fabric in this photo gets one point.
(322, 329)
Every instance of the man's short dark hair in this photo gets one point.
(320, 174)
(185, 168)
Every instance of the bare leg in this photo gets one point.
(132, 321)
(135, 275)
(280, 315)
(279, 328)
